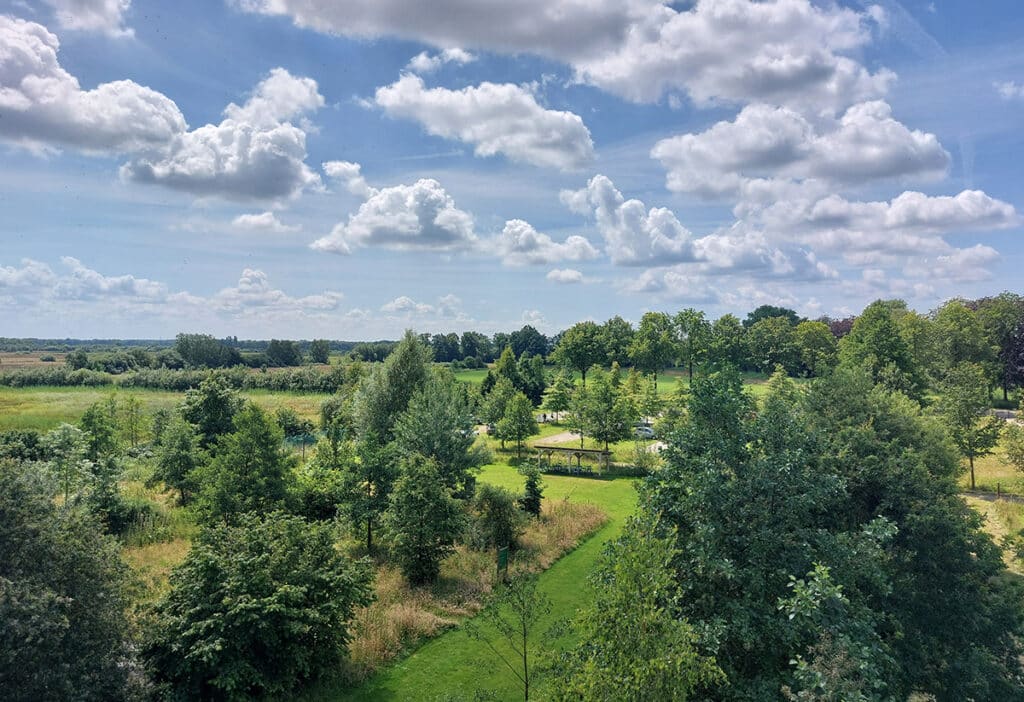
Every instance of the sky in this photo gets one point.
(351, 168)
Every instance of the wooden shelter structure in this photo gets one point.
(546, 454)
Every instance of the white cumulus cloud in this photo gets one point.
(769, 143)
(263, 222)
(403, 217)
(106, 16)
(497, 119)
(425, 62)
(42, 105)
(255, 153)
(565, 276)
(520, 244)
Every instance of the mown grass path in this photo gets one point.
(452, 663)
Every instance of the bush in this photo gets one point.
(497, 522)
(255, 610)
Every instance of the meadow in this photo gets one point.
(43, 408)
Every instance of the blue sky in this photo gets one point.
(303, 168)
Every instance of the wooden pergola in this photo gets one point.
(545, 454)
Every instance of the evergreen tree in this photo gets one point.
(250, 471)
(422, 521)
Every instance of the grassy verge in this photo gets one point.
(454, 665)
(1002, 518)
(43, 408)
(403, 616)
(993, 474)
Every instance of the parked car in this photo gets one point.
(643, 432)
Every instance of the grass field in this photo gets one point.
(994, 474)
(10, 360)
(453, 664)
(667, 379)
(43, 408)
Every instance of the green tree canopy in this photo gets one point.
(580, 348)
(423, 520)
(63, 593)
(250, 471)
(256, 609)
(518, 423)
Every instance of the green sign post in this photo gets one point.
(503, 563)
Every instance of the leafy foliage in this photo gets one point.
(256, 609)
(250, 471)
(423, 520)
(633, 644)
(63, 591)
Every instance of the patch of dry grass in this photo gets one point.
(402, 616)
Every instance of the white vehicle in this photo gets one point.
(643, 432)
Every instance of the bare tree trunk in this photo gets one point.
(970, 459)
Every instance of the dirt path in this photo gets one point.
(562, 438)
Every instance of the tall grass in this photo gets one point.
(402, 616)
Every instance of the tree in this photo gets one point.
(580, 348)
(528, 341)
(131, 410)
(1001, 317)
(533, 377)
(768, 312)
(616, 336)
(694, 334)
(438, 424)
(385, 394)
(250, 471)
(648, 403)
(99, 423)
(817, 347)
(476, 345)
(1013, 438)
(211, 408)
(281, 354)
(653, 346)
(533, 491)
(515, 613)
(771, 341)
(961, 337)
(518, 423)
(203, 351)
(422, 521)
(368, 484)
(320, 351)
(494, 404)
(965, 405)
(634, 643)
(559, 394)
(507, 367)
(77, 359)
(445, 347)
(875, 343)
(178, 457)
(608, 415)
(497, 522)
(727, 345)
(66, 446)
(256, 609)
(63, 594)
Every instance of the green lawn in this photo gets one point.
(993, 473)
(43, 408)
(453, 664)
(667, 379)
